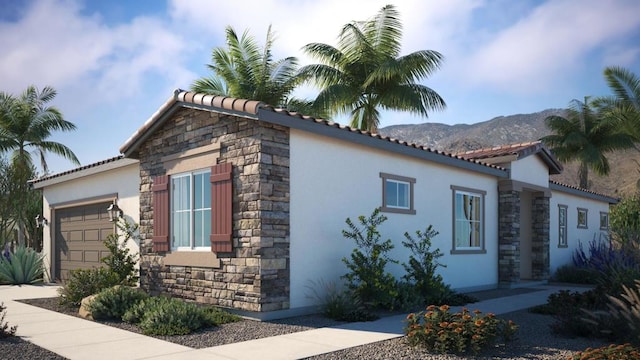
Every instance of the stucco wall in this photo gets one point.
(575, 235)
(122, 181)
(332, 180)
(531, 170)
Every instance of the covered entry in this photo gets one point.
(79, 235)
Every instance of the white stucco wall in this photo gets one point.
(332, 180)
(530, 169)
(123, 181)
(561, 256)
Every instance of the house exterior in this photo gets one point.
(75, 205)
(242, 205)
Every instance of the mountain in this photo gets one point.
(518, 128)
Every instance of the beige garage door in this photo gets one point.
(80, 232)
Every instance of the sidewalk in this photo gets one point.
(75, 338)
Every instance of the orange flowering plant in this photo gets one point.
(441, 331)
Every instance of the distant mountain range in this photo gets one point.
(516, 129)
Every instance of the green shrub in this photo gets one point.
(441, 331)
(575, 275)
(624, 221)
(218, 316)
(24, 266)
(119, 260)
(167, 316)
(5, 330)
(568, 307)
(367, 277)
(339, 304)
(626, 308)
(85, 282)
(113, 302)
(611, 352)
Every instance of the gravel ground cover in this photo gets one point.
(534, 338)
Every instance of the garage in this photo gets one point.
(80, 232)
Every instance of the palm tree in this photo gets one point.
(26, 123)
(624, 106)
(365, 72)
(584, 136)
(244, 70)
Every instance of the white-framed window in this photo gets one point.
(604, 220)
(191, 211)
(562, 225)
(397, 194)
(582, 218)
(468, 220)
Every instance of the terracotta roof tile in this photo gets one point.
(53, 176)
(577, 188)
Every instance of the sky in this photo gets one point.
(114, 63)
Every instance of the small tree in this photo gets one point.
(119, 260)
(625, 222)
(367, 278)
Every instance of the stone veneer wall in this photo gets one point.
(540, 266)
(255, 276)
(508, 238)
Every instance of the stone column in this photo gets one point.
(508, 238)
(540, 238)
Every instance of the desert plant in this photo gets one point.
(85, 282)
(167, 316)
(24, 266)
(367, 277)
(218, 316)
(113, 302)
(441, 331)
(337, 303)
(610, 352)
(5, 329)
(568, 307)
(119, 260)
(624, 220)
(627, 307)
(575, 275)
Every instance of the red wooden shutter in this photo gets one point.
(161, 214)
(221, 208)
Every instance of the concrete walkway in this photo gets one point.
(75, 338)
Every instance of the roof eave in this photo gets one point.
(583, 193)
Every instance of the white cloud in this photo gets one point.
(553, 41)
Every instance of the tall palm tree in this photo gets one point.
(584, 136)
(26, 123)
(365, 72)
(624, 105)
(244, 70)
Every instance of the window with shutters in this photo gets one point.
(191, 211)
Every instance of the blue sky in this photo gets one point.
(115, 62)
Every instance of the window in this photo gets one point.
(582, 218)
(397, 194)
(562, 226)
(604, 220)
(468, 220)
(191, 210)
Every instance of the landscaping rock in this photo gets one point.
(84, 311)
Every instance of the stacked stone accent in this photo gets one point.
(540, 266)
(255, 275)
(508, 238)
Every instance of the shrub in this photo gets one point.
(85, 282)
(422, 266)
(218, 316)
(367, 277)
(119, 260)
(624, 220)
(575, 275)
(24, 266)
(441, 331)
(113, 302)
(611, 352)
(339, 304)
(167, 316)
(566, 307)
(5, 330)
(621, 320)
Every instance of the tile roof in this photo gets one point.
(111, 161)
(259, 110)
(580, 191)
(520, 150)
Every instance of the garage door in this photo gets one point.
(80, 232)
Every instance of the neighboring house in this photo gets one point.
(242, 205)
(75, 208)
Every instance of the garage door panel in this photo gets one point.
(79, 237)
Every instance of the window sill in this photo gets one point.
(563, 246)
(397, 211)
(460, 252)
(583, 227)
(192, 258)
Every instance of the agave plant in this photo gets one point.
(24, 266)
